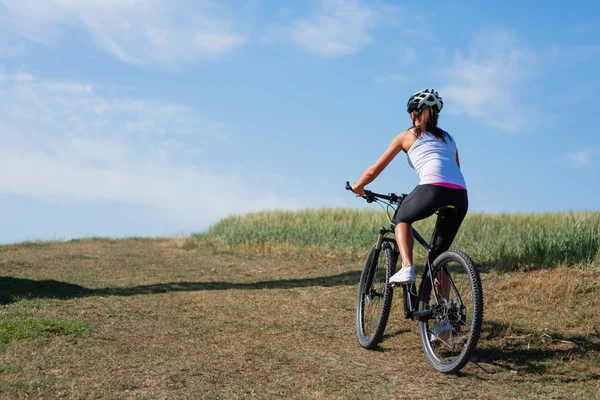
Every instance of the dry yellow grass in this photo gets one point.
(170, 319)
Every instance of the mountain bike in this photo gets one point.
(448, 304)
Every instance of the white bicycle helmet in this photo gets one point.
(424, 98)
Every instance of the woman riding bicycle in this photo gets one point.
(432, 152)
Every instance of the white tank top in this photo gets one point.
(435, 160)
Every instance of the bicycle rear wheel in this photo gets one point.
(450, 334)
(375, 295)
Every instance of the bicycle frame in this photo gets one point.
(409, 291)
(410, 295)
(410, 309)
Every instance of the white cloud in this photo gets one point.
(580, 158)
(345, 27)
(340, 28)
(178, 192)
(215, 42)
(488, 84)
(134, 31)
(69, 87)
(69, 142)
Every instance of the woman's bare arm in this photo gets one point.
(397, 145)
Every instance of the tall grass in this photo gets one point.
(523, 240)
(504, 240)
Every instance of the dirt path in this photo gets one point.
(168, 322)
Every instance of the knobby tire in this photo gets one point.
(375, 294)
(450, 352)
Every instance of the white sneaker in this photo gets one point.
(404, 276)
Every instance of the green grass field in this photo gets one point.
(503, 242)
(263, 306)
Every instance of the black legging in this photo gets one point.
(424, 200)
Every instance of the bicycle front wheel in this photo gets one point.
(455, 298)
(375, 295)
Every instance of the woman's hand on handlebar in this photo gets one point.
(359, 190)
(372, 196)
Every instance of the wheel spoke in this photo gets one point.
(451, 334)
(374, 300)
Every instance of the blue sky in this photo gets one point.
(156, 117)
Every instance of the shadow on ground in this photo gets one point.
(518, 350)
(15, 288)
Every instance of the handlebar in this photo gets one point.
(372, 196)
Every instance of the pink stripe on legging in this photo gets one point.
(449, 185)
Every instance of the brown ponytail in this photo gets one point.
(428, 123)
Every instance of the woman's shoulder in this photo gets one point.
(404, 135)
(408, 133)
(406, 139)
